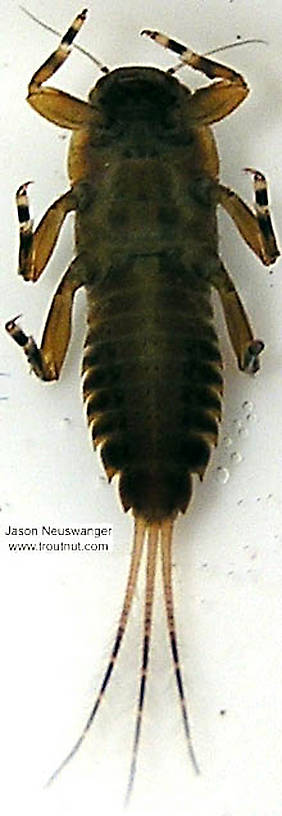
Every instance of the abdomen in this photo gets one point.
(152, 380)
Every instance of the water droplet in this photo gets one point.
(251, 417)
(248, 406)
(243, 432)
(227, 441)
(238, 424)
(236, 457)
(65, 422)
(222, 474)
(101, 481)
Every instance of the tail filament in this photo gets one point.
(139, 535)
(157, 533)
(166, 544)
(153, 535)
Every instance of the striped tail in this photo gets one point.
(158, 534)
(139, 536)
(166, 545)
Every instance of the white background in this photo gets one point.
(59, 611)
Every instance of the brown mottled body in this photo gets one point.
(152, 365)
(143, 169)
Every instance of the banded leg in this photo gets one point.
(37, 247)
(210, 104)
(59, 107)
(246, 347)
(256, 228)
(46, 362)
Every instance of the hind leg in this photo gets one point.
(46, 362)
(247, 348)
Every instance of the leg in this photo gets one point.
(246, 347)
(207, 105)
(256, 229)
(59, 107)
(47, 361)
(35, 249)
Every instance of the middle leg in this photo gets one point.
(256, 228)
(36, 247)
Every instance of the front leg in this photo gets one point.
(207, 105)
(59, 107)
(46, 362)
